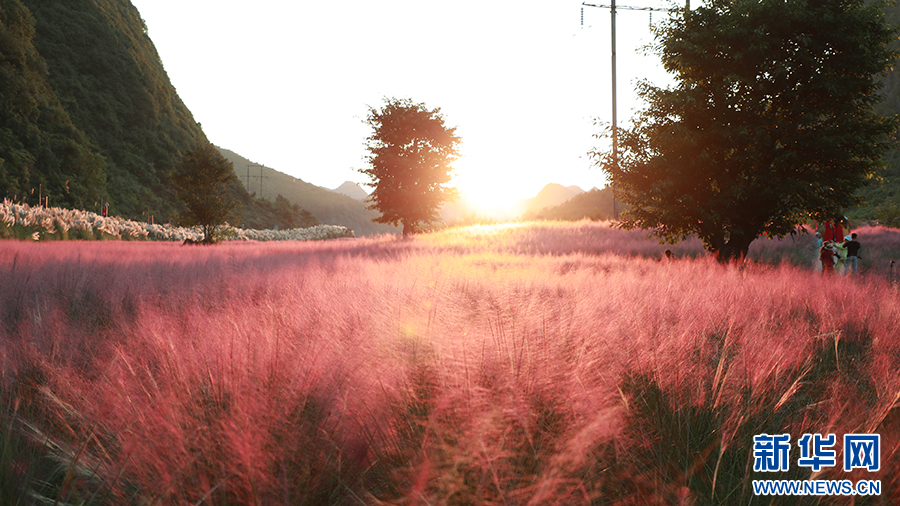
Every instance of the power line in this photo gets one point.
(615, 124)
(629, 8)
(260, 178)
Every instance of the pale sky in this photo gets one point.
(288, 84)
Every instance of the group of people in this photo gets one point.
(834, 256)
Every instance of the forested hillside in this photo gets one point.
(89, 115)
(41, 150)
(328, 206)
(595, 204)
(882, 197)
(109, 78)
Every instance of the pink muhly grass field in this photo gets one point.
(519, 364)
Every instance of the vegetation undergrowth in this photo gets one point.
(24, 222)
(520, 364)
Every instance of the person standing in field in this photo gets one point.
(827, 256)
(853, 246)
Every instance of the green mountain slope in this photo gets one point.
(87, 113)
(884, 192)
(328, 206)
(42, 153)
(110, 80)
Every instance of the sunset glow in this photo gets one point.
(490, 194)
(487, 202)
(382, 253)
(287, 85)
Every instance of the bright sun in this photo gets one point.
(487, 194)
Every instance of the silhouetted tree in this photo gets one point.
(770, 121)
(201, 182)
(410, 155)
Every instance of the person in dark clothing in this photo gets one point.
(852, 262)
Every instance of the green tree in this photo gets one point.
(410, 155)
(888, 213)
(203, 182)
(770, 121)
(290, 215)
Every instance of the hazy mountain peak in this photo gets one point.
(352, 190)
(551, 195)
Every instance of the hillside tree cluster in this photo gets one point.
(42, 152)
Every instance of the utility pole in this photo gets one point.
(260, 177)
(615, 124)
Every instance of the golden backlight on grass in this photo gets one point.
(486, 201)
(553, 364)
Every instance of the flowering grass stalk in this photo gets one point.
(518, 364)
(21, 221)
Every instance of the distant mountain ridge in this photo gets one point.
(594, 205)
(551, 195)
(329, 207)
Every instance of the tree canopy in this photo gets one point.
(770, 122)
(202, 182)
(410, 155)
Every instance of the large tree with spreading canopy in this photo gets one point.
(770, 121)
(203, 182)
(411, 150)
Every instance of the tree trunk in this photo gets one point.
(209, 232)
(734, 249)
